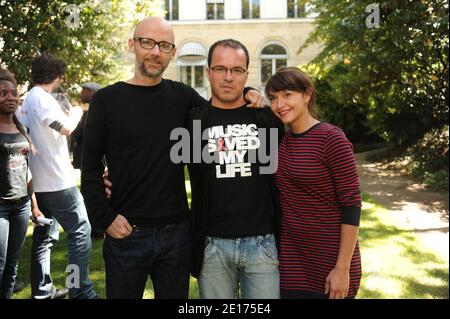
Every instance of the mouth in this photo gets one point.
(152, 62)
(283, 113)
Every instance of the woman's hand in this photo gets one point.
(337, 283)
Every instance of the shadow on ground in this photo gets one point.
(397, 265)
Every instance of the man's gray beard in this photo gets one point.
(153, 75)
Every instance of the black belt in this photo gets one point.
(138, 228)
(14, 200)
(157, 227)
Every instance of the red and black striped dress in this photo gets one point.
(316, 176)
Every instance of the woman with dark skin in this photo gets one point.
(16, 195)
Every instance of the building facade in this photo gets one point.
(272, 30)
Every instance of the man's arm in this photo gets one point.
(251, 96)
(254, 98)
(70, 123)
(35, 211)
(92, 168)
(51, 114)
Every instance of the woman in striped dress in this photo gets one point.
(320, 196)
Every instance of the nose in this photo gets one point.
(155, 51)
(228, 75)
(12, 97)
(280, 102)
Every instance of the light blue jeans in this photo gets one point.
(248, 265)
(14, 216)
(67, 207)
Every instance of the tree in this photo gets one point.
(397, 73)
(88, 35)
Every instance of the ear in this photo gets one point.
(307, 96)
(173, 53)
(208, 73)
(131, 48)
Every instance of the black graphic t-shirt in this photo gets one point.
(13, 165)
(240, 195)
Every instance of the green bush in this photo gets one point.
(427, 160)
(431, 151)
(391, 153)
(430, 158)
(437, 180)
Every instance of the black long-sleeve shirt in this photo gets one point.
(77, 141)
(130, 125)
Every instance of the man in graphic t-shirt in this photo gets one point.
(234, 203)
(146, 219)
(54, 182)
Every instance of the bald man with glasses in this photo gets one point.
(146, 218)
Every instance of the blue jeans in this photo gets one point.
(159, 252)
(248, 263)
(14, 217)
(67, 207)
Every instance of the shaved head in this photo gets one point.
(150, 63)
(157, 25)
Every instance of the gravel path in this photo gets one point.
(424, 212)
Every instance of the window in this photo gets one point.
(250, 9)
(296, 9)
(171, 7)
(192, 75)
(215, 9)
(191, 62)
(273, 57)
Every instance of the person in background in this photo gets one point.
(54, 181)
(87, 93)
(320, 196)
(17, 199)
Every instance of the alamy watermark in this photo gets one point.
(373, 19)
(233, 148)
(73, 278)
(73, 16)
(73, 11)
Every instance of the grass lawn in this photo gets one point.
(396, 264)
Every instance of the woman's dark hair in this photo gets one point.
(45, 68)
(5, 75)
(292, 79)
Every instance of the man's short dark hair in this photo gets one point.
(46, 68)
(228, 43)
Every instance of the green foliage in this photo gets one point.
(437, 181)
(393, 79)
(430, 158)
(93, 50)
(426, 161)
(390, 153)
(336, 103)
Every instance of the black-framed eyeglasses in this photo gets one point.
(149, 44)
(237, 71)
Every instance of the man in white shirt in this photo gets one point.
(54, 181)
